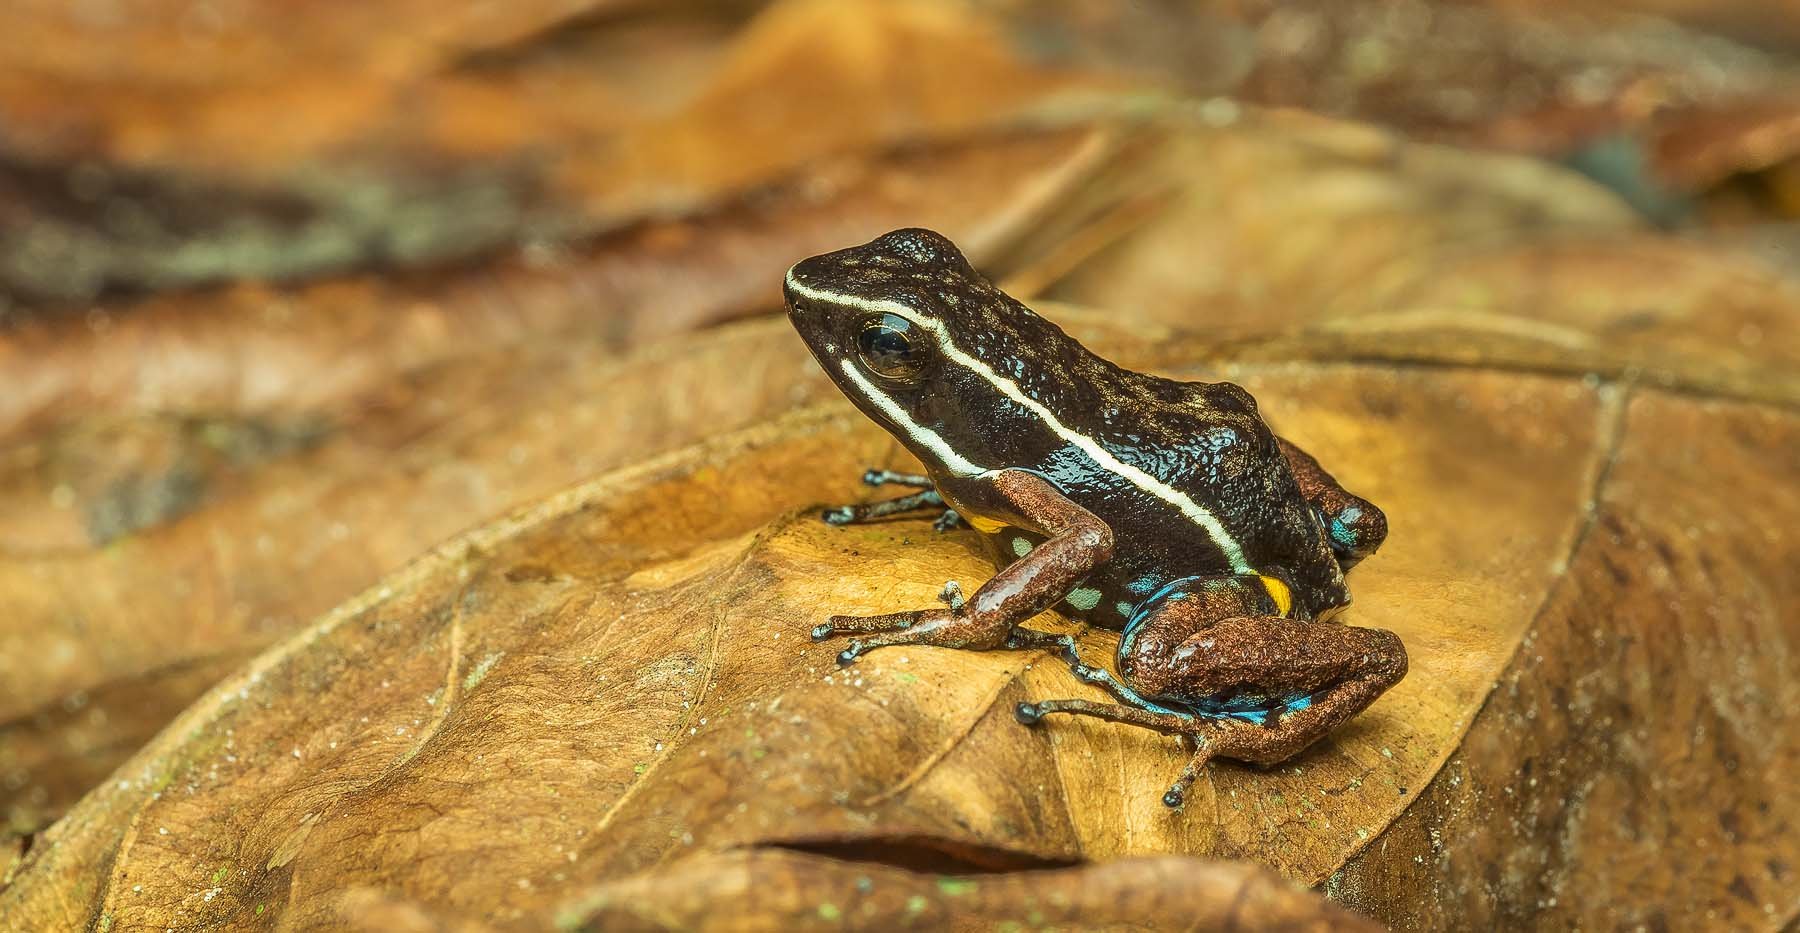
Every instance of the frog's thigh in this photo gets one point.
(1192, 605)
(1276, 658)
(1316, 674)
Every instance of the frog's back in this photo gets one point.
(1193, 484)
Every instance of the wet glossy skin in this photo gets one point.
(1166, 509)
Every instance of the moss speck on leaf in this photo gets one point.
(956, 887)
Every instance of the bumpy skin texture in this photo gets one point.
(1165, 509)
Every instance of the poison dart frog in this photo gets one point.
(1167, 510)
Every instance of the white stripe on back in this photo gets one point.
(1196, 513)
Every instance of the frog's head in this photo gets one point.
(930, 349)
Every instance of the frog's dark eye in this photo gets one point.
(890, 347)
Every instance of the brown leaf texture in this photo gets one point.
(775, 889)
(471, 373)
(623, 670)
(551, 666)
(402, 147)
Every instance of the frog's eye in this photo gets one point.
(889, 346)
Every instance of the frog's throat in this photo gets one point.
(1193, 511)
(923, 436)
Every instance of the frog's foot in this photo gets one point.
(1176, 795)
(875, 477)
(1103, 678)
(1173, 723)
(868, 511)
(1031, 638)
(951, 595)
(949, 521)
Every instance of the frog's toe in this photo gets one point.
(842, 515)
(849, 655)
(822, 631)
(874, 477)
(951, 595)
(1028, 714)
(1174, 798)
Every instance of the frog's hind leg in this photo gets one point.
(1250, 686)
(1354, 526)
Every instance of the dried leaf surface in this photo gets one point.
(775, 889)
(1640, 743)
(623, 671)
(1335, 242)
(601, 709)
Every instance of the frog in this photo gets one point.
(1166, 510)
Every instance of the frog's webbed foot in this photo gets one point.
(951, 595)
(1063, 645)
(868, 511)
(878, 477)
(926, 498)
(1202, 733)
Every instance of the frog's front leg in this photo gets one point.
(1354, 526)
(866, 511)
(1076, 542)
(927, 498)
(1215, 662)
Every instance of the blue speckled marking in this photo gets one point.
(1170, 590)
(1083, 598)
(1341, 532)
(1142, 585)
(1258, 715)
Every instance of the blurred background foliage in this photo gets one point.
(166, 143)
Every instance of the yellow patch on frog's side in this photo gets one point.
(983, 525)
(1279, 592)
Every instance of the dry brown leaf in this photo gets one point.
(1308, 239)
(1634, 764)
(288, 174)
(677, 596)
(301, 351)
(1545, 77)
(347, 513)
(776, 889)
